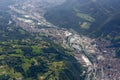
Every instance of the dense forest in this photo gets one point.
(37, 59)
(29, 56)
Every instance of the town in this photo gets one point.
(91, 53)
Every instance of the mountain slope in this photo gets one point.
(94, 18)
(37, 59)
(30, 56)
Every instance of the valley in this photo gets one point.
(48, 44)
(91, 53)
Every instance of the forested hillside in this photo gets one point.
(30, 56)
(94, 18)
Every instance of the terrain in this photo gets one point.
(59, 39)
(25, 55)
(89, 17)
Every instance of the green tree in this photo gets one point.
(1, 49)
(19, 51)
(36, 49)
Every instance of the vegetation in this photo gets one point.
(28, 56)
(37, 59)
(84, 16)
(89, 19)
(0, 49)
